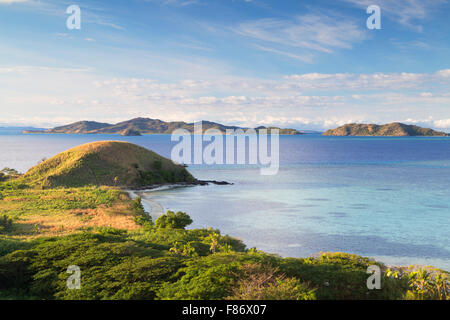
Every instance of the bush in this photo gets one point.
(157, 165)
(212, 277)
(141, 217)
(5, 223)
(172, 220)
(264, 282)
(8, 173)
(422, 284)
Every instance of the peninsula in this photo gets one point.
(110, 163)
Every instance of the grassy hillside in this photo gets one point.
(392, 129)
(35, 213)
(77, 127)
(107, 163)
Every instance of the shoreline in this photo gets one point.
(151, 207)
(155, 210)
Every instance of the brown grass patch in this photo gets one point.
(32, 226)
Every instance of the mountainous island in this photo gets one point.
(140, 126)
(395, 129)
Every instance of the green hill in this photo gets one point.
(395, 129)
(109, 163)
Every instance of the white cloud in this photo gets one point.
(11, 1)
(307, 33)
(444, 123)
(180, 3)
(308, 101)
(308, 58)
(90, 13)
(392, 81)
(444, 73)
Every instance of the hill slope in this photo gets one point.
(143, 126)
(392, 129)
(107, 163)
(77, 127)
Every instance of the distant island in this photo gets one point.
(395, 129)
(17, 130)
(130, 133)
(138, 126)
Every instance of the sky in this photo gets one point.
(300, 64)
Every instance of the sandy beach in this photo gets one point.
(153, 208)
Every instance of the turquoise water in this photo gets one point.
(387, 198)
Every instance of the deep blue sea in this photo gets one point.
(387, 198)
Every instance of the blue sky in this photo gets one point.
(302, 64)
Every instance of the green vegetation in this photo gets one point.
(107, 163)
(5, 223)
(60, 211)
(173, 220)
(142, 218)
(124, 255)
(147, 264)
(8, 174)
(391, 129)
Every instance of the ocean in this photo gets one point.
(381, 197)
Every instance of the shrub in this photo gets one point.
(212, 277)
(141, 217)
(172, 220)
(157, 164)
(5, 223)
(8, 173)
(264, 282)
(428, 285)
(110, 231)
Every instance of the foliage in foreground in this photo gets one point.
(162, 260)
(164, 263)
